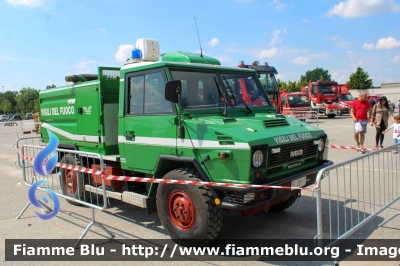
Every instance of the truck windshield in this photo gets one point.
(346, 97)
(298, 100)
(268, 83)
(325, 89)
(210, 89)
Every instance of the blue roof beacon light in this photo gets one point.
(136, 55)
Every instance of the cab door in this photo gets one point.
(149, 121)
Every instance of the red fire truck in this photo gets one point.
(345, 98)
(295, 104)
(266, 75)
(323, 97)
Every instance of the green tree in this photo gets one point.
(281, 85)
(6, 106)
(292, 86)
(26, 99)
(314, 75)
(359, 80)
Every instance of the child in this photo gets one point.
(396, 132)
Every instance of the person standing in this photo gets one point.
(396, 131)
(372, 102)
(360, 108)
(398, 106)
(379, 118)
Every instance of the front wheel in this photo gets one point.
(331, 115)
(188, 212)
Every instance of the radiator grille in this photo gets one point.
(292, 152)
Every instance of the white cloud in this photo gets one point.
(224, 58)
(362, 8)
(29, 3)
(387, 43)
(340, 42)
(98, 32)
(83, 66)
(275, 38)
(305, 21)
(396, 59)
(278, 5)
(124, 52)
(341, 79)
(280, 77)
(350, 54)
(101, 30)
(322, 55)
(301, 60)
(213, 42)
(268, 53)
(368, 46)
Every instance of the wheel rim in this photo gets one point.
(181, 210)
(70, 182)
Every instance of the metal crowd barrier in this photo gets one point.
(33, 141)
(71, 179)
(306, 116)
(9, 127)
(353, 192)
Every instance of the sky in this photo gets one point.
(42, 41)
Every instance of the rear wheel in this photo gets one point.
(331, 115)
(72, 182)
(188, 212)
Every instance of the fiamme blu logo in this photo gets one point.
(44, 168)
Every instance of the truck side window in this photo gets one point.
(314, 90)
(284, 101)
(154, 100)
(146, 94)
(136, 88)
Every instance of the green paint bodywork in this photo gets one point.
(140, 140)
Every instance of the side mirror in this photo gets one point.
(173, 90)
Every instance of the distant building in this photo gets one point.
(390, 85)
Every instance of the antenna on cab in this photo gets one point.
(198, 36)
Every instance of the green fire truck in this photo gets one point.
(184, 117)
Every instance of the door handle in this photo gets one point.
(129, 136)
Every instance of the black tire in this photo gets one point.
(202, 221)
(283, 205)
(331, 115)
(72, 182)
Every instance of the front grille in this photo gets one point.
(297, 150)
(276, 122)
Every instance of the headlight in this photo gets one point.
(258, 158)
(321, 145)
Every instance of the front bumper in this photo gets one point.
(234, 196)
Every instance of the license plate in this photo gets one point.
(299, 182)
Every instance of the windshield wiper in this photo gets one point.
(231, 92)
(223, 95)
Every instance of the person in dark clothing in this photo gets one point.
(372, 102)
